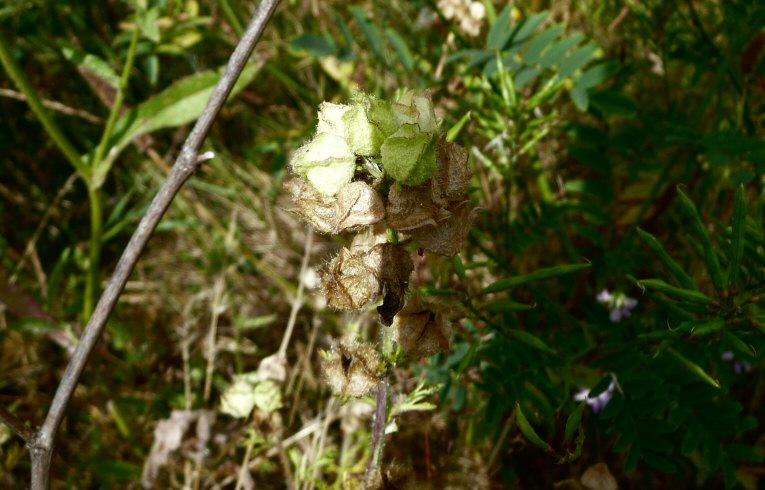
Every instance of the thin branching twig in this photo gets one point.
(41, 444)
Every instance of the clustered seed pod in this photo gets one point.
(372, 166)
(351, 368)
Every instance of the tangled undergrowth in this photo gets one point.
(537, 228)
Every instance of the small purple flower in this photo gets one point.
(739, 367)
(619, 304)
(599, 402)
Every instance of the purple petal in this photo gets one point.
(604, 296)
(616, 315)
(727, 355)
(630, 303)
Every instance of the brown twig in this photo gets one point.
(41, 444)
(53, 105)
(15, 424)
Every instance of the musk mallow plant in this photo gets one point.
(384, 172)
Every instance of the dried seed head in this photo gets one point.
(421, 329)
(410, 208)
(356, 205)
(393, 266)
(450, 235)
(351, 369)
(349, 282)
(453, 175)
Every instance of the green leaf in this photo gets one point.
(528, 430)
(741, 452)
(614, 103)
(371, 32)
(179, 104)
(632, 459)
(454, 131)
(597, 74)
(540, 43)
(693, 368)
(499, 34)
(708, 327)
(674, 268)
(402, 50)
(659, 462)
(692, 438)
(738, 227)
(526, 76)
(36, 326)
(580, 98)
(148, 22)
(669, 290)
(459, 268)
(531, 340)
(92, 64)
(538, 275)
(557, 51)
(505, 306)
(737, 344)
(527, 27)
(700, 230)
(574, 421)
(312, 44)
(577, 60)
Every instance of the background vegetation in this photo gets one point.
(616, 146)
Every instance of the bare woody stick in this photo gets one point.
(41, 443)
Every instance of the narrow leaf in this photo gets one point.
(685, 294)
(738, 241)
(539, 275)
(693, 368)
(710, 256)
(499, 34)
(532, 341)
(371, 32)
(677, 272)
(574, 421)
(402, 50)
(528, 430)
(454, 131)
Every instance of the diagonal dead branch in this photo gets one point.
(41, 444)
(15, 424)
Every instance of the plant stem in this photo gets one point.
(93, 278)
(98, 179)
(25, 86)
(98, 176)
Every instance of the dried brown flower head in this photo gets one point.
(349, 281)
(421, 329)
(351, 369)
(355, 206)
(450, 235)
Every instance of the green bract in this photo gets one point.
(409, 156)
(367, 123)
(326, 162)
(331, 119)
(411, 108)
